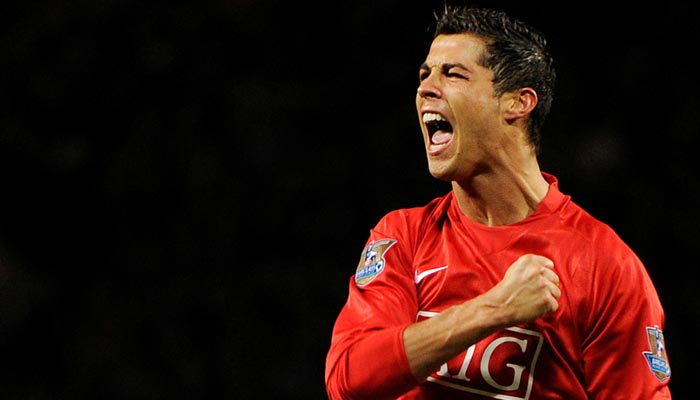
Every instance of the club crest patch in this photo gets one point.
(372, 261)
(657, 359)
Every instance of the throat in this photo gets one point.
(492, 203)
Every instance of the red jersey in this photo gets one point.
(604, 342)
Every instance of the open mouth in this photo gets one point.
(439, 130)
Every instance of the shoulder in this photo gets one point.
(602, 253)
(414, 218)
(573, 218)
(590, 228)
(592, 245)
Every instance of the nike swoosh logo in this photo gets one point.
(419, 277)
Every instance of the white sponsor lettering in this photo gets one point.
(489, 379)
(517, 368)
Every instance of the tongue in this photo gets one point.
(441, 137)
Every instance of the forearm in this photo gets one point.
(434, 341)
(373, 367)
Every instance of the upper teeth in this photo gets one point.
(427, 117)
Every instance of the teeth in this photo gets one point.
(427, 117)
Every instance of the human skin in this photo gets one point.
(484, 152)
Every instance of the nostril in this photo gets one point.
(427, 92)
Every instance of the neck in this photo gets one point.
(501, 195)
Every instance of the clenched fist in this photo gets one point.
(529, 289)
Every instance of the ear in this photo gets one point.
(519, 104)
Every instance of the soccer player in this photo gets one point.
(503, 287)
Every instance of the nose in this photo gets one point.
(428, 88)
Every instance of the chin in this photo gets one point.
(441, 172)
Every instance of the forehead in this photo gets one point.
(455, 48)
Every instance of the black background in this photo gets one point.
(186, 187)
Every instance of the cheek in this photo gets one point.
(482, 113)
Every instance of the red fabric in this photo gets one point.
(596, 346)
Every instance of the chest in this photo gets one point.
(453, 266)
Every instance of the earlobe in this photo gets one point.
(521, 103)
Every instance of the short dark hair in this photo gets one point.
(515, 52)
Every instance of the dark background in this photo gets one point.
(185, 188)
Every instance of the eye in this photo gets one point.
(423, 75)
(452, 74)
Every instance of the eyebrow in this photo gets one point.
(446, 67)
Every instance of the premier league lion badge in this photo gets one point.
(372, 261)
(657, 359)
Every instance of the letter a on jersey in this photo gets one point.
(372, 261)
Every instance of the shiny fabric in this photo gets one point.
(593, 347)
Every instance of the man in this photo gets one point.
(504, 287)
